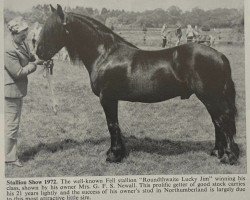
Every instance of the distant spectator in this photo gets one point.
(189, 33)
(178, 34)
(197, 33)
(164, 34)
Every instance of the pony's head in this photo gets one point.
(53, 34)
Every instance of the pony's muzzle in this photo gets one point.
(39, 52)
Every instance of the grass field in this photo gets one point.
(172, 137)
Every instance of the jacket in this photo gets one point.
(17, 65)
(190, 32)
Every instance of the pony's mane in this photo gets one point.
(100, 28)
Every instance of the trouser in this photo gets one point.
(12, 114)
(164, 42)
(189, 39)
(178, 41)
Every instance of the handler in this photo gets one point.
(178, 34)
(164, 34)
(18, 63)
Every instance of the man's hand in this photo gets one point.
(38, 61)
(32, 58)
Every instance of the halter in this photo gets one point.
(65, 23)
(48, 65)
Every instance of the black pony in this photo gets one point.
(119, 70)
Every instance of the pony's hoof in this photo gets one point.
(112, 158)
(224, 159)
(215, 152)
(116, 155)
(232, 159)
(229, 159)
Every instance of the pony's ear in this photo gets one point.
(60, 12)
(52, 8)
(59, 7)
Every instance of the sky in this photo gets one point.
(128, 5)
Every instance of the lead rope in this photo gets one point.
(48, 72)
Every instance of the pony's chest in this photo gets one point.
(96, 77)
(109, 76)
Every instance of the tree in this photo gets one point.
(38, 13)
(111, 22)
(90, 11)
(96, 12)
(220, 17)
(174, 11)
(104, 11)
(9, 15)
(198, 16)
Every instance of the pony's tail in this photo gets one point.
(230, 95)
(229, 88)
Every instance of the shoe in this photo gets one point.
(16, 163)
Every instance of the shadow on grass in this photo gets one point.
(161, 147)
(56, 146)
(167, 147)
(148, 145)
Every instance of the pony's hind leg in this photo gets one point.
(219, 142)
(223, 117)
(117, 150)
(227, 130)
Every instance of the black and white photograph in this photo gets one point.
(124, 87)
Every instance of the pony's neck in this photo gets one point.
(86, 44)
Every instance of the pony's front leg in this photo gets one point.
(117, 150)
